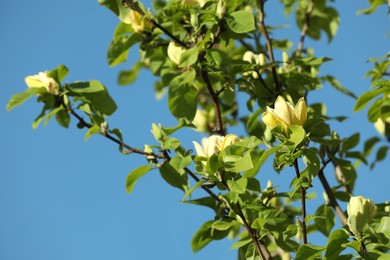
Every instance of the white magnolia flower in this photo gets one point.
(43, 80)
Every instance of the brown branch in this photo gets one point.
(305, 27)
(303, 200)
(264, 31)
(332, 199)
(131, 5)
(82, 123)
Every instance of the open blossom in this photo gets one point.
(285, 114)
(138, 23)
(360, 212)
(214, 144)
(43, 80)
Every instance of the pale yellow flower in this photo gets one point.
(214, 144)
(136, 21)
(360, 212)
(284, 114)
(43, 80)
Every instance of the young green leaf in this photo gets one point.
(241, 21)
(20, 98)
(133, 177)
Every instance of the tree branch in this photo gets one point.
(305, 27)
(82, 123)
(332, 199)
(303, 199)
(131, 5)
(264, 31)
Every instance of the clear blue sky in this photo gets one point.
(62, 198)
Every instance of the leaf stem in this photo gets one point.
(303, 200)
(264, 31)
(305, 27)
(82, 123)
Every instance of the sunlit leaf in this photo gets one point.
(133, 177)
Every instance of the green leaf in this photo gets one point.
(110, 4)
(335, 240)
(95, 129)
(133, 177)
(182, 96)
(202, 237)
(20, 98)
(188, 57)
(261, 161)
(350, 142)
(182, 123)
(63, 118)
(85, 87)
(241, 22)
(59, 73)
(127, 77)
(52, 113)
(325, 224)
(309, 252)
(312, 161)
(223, 225)
(297, 135)
(336, 84)
(179, 162)
(119, 48)
(383, 86)
(237, 163)
(173, 177)
(241, 243)
(189, 192)
(374, 5)
(206, 201)
(94, 93)
(238, 186)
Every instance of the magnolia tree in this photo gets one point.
(205, 53)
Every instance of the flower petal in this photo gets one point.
(300, 112)
(284, 110)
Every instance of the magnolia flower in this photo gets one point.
(43, 80)
(285, 114)
(136, 21)
(214, 144)
(360, 212)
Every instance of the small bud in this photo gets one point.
(269, 184)
(104, 128)
(157, 132)
(194, 20)
(221, 8)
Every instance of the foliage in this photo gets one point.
(196, 51)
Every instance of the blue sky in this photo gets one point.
(64, 198)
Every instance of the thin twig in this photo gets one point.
(303, 199)
(264, 31)
(214, 97)
(130, 149)
(135, 8)
(305, 27)
(332, 199)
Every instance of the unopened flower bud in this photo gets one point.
(221, 8)
(360, 213)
